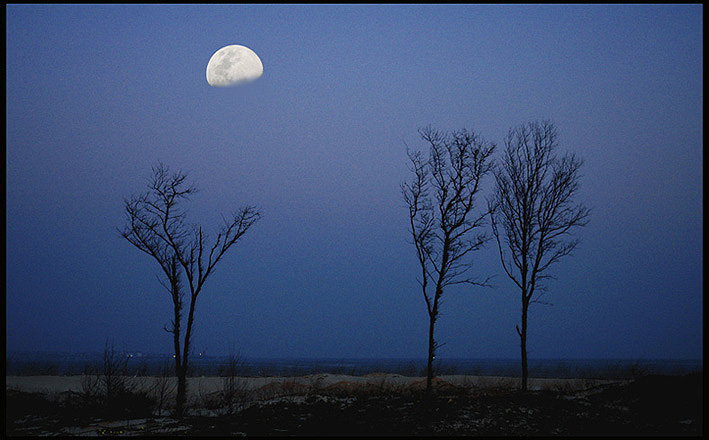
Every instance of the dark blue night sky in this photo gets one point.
(96, 95)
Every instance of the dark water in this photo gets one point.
(24, 363)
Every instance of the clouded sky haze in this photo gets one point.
(98, 94)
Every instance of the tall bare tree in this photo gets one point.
(533, 212)
(444, 217)
(156, 225)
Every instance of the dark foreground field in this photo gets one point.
(647, 406)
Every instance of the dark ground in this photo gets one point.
(648, 406)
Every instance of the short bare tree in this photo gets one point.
(444, 217)
(111, 379)
(156, 225)
(163, 386)
(533, 212)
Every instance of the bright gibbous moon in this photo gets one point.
(232, 65)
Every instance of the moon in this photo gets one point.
(233, 64)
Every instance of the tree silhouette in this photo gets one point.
(444, 217)
(156, 225)
(533, 211)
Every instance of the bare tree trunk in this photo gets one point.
(523, 345)
(431, 355)
(181, 391)
(181, 380)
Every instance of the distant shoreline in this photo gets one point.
(145, 364)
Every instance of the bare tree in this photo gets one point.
(163, 386)
(156, 225)
(533, 212)
(109, 381)
(444, 219)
